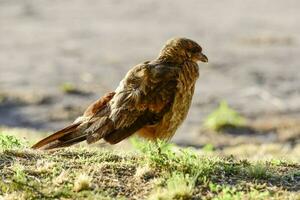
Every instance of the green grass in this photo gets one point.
(10, 141)
(155, 171)
(68, 88)
(223, 116)
(177, 186)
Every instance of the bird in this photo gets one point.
(151, 101)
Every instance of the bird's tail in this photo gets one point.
(62, 138)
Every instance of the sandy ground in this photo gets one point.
(253, 48)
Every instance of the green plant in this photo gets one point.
(147, 147)
(223, 116)
(225, 192)
(9, 142)
(258, 171)
(178, 186)
(158, 153)
(208, 148)
(68, 88)
(162, 172)
(164, 156)
(19, 174)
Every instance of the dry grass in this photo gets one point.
(158, 171)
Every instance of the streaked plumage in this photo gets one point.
(152, 100)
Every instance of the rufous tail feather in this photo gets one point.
(62, 138)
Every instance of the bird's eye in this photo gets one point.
(195, 50)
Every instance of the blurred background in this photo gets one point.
(56, 57)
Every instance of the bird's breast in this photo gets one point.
(168, 125)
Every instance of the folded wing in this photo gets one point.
(142, 98)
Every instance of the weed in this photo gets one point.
(231, 193)
(9, 142)
(68, 88)
(82, 182)
(178, 186)
(258, 171)
(208, 148)
(223, 116)
(19, 175)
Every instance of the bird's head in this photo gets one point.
(182, 49)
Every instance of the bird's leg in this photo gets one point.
(158, 147)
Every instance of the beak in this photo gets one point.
(203, 57)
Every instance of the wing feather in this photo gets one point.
(142, 98)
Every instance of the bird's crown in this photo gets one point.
(180, 49)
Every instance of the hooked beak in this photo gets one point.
(202, 57)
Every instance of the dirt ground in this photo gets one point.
(253, 49)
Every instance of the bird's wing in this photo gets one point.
(142, 98)
(98, 105)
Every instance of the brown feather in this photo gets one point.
(153, 100)
(67, 143)
(98, 105)
(121, 134)
(73, 134)
(55, 136)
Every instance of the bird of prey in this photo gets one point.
(152, 101)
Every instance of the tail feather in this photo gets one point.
(80, 131)
(57, 139)
(67, 143)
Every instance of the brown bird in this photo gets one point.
(152, 100)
